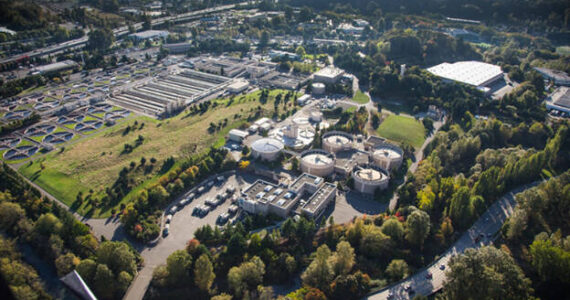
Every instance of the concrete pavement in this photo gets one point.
(480, 234)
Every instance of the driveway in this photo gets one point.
(480, 234)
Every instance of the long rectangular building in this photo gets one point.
(475, 73)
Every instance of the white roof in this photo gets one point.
(475, 73)
(237, 132)
(329, 72)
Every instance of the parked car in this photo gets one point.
(442, 267)
(166, 230)
(183, 202)
(220, 179)
(168, 219)
(232, 210)
(211, 202)
(210, 184)
(223, 218)
(200, 190)
(173, 209)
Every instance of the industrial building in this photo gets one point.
(177, 48)
(328, 75)
(267, 149)
(303, 99)
(286, 81)
(297, 135)
(559, 100)
(474, 73)
(148, 35)
(57, 67)
(310, 194)
(336, 141)
(238, 86)
(369, 178)
(169, 93)
(237, 135)
(317, 162)
(558, 77)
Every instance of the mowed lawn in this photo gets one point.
(403, 129)
(95, 162)
(360, 98)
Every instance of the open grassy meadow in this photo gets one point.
(95, 162)
(403, 129)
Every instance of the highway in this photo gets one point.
(118, 32)
(432, 278)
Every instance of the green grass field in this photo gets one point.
(95, 161)
(403, 129)
(360, 98)
(563, 50)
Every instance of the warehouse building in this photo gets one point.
(559, 100)
(148, 35)
(474, 73)
(60, 66)
(558, 77)
(177, 48)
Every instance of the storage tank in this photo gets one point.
(318, 88)
(369, 178)
(316, 116)
(388, 156)
(266, 149)
(317, 162)
(335, 141)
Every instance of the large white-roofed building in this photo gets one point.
(475, 73)
(328, 75)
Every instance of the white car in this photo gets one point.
(174, 209)
(168, 219)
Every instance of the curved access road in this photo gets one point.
(432, 278)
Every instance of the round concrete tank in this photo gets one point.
(388, 156)
(266, 149)
(317, 162)
(318, 88)
(335, 141)
(369, 178)
(316, 116)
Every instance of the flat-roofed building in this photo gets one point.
(474, 73)
(238, 86)
(57, 67)
(328, 75)
(177, 48)
(264, 197)
(558, 77)
(237, 135)
(148, 35)
(559, 100)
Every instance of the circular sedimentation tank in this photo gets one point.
(317, 162)
(336, 141)
(318, 88)
(266, 149)
(388, 156)
(369, 178)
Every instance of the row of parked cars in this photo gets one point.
(187, 200)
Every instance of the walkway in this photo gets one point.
(482, 233)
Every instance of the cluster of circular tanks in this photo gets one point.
(368, 177)
(15, 152)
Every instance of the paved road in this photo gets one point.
(484, 230)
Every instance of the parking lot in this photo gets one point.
(185, 221)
